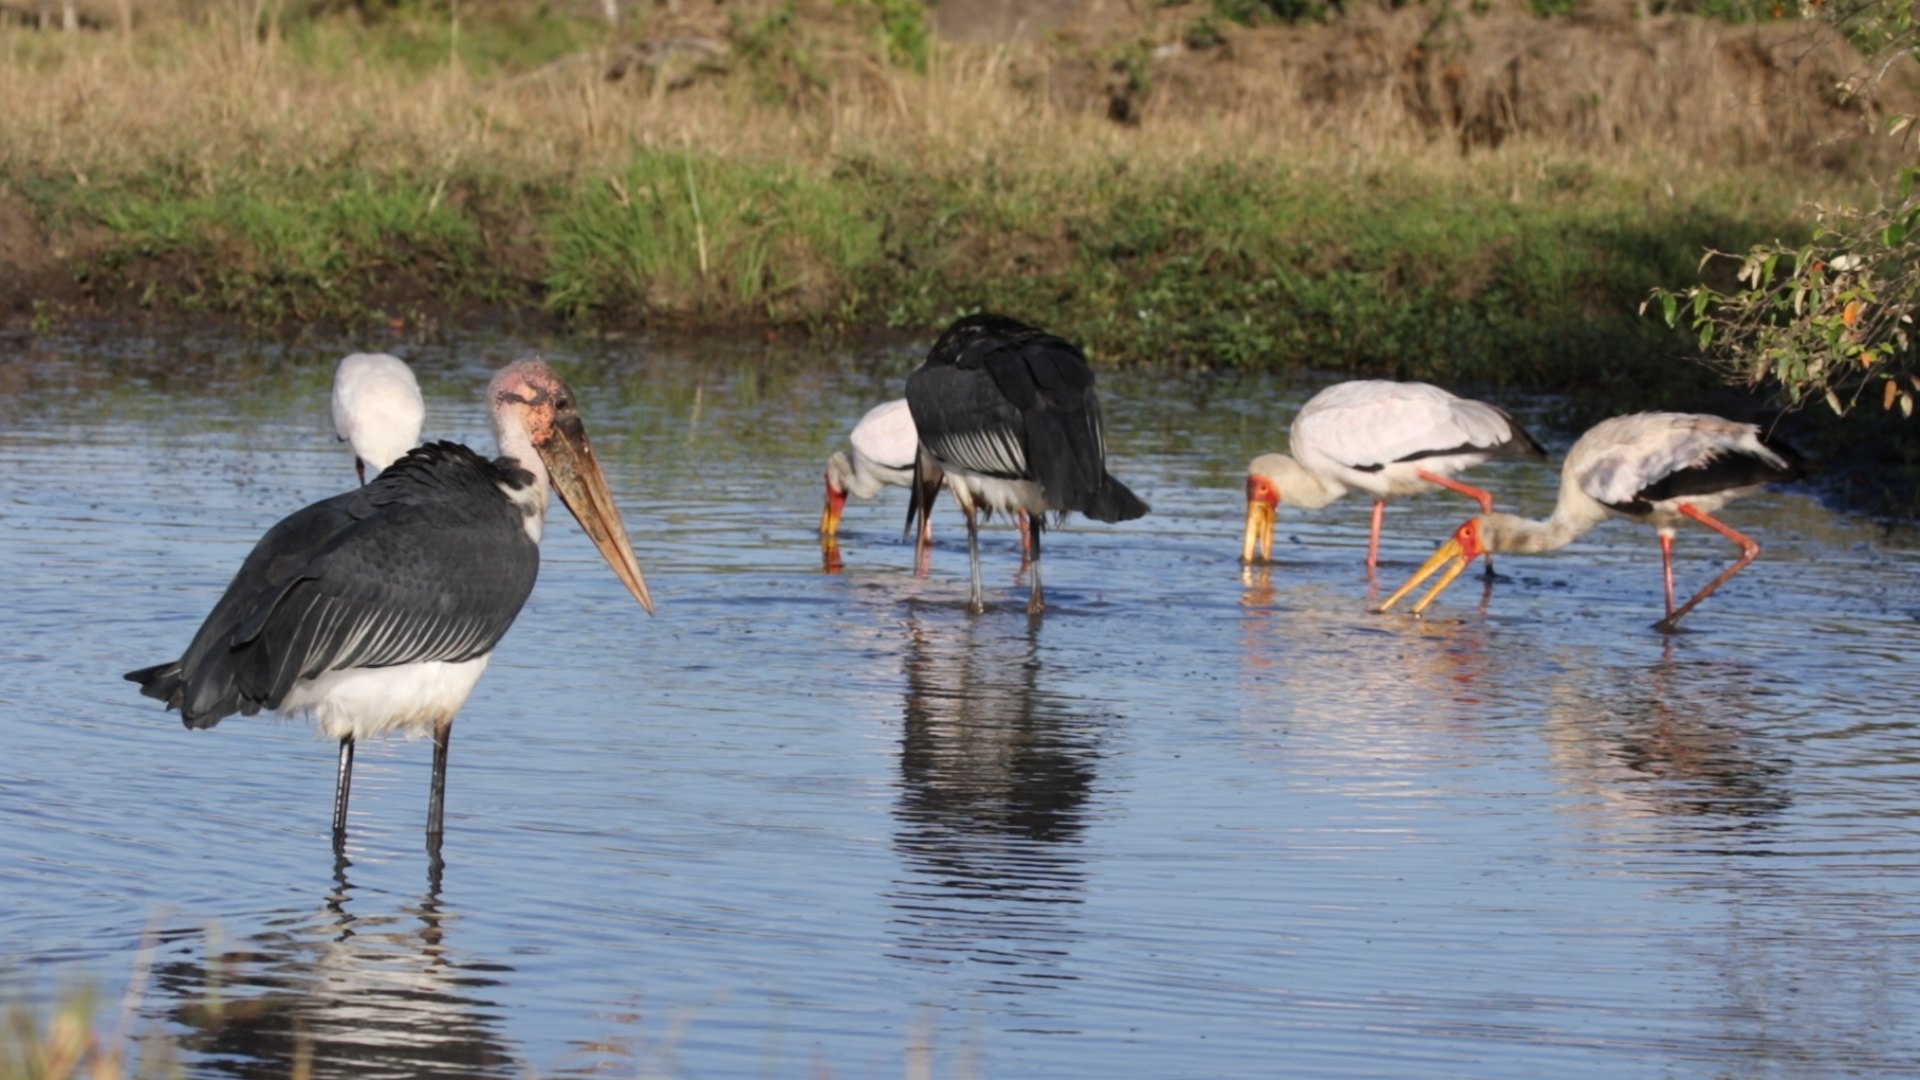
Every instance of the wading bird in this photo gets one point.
(1655, 468)
(884, 444)
(1009, 414)
(377, 409)
(376, 610)
(1385, 438)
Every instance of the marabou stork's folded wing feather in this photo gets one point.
(429, 562)
(965, 422)
(1003, 399)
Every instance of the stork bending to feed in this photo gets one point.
(1385, 438)
(376, 610)
(1655, 468)
(1009, 415)
(884, 445)
(377, 409)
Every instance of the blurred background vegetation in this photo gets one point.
(1478, 192)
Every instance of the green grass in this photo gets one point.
(1203, 264)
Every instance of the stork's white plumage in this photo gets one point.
(1385, 438)
(884, 444)
(1656, 468)
(377, 610)
(377, 409)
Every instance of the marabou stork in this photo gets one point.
(1656, 468)
(376, 610)
(1385, 438)
(884, 445)
(1009, 414)
(377, 409)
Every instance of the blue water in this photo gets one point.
(1195, 821)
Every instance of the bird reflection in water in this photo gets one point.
(995, 774)
(1669, 741)
(335, 994)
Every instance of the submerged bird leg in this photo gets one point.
(1666, 567)
(437, 796)
(1479, 495)
(1036, 599)
(977, 603)
(1373, 538)
(1029, 543)
(925, 542)
(927, 480)
(1749, 551)
(341, 788)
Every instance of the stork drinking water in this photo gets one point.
(1656, 468)
(1385, 438)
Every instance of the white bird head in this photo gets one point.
(1269, 476)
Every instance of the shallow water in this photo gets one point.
(1194, 821)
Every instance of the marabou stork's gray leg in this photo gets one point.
(1037, 599)
(437, 796)
(342, 787)
(978, 603)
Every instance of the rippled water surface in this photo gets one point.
(1192, 822)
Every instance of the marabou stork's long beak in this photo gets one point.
(1460, 550)
(1260, 524)
(577, 477)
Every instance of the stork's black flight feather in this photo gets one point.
(431, 561)
(1722, 472)
(1002, 399)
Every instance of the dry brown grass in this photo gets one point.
(217, 96)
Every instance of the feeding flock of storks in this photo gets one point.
(363, 611)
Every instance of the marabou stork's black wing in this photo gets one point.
(1000, 398)
(431, 561)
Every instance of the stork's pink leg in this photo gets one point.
(1749, 551)
(1373, 538)
(1666, 566)
(1026, 537)
(1479, 495)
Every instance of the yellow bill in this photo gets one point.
(1454, 555)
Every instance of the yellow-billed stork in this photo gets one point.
(884, 444)
(1657, 468)
(1385, 438)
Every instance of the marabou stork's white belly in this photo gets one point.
(993, 493)
(364, 702)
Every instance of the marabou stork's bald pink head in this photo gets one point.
(533, 407)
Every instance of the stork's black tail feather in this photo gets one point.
(1112, 502)
(166, 683)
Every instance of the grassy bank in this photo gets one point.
(419, 170)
